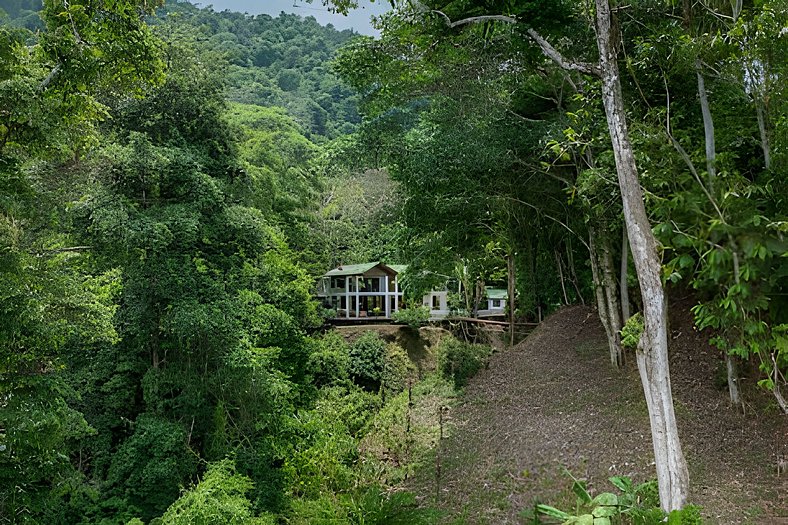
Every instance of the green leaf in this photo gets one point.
(604, 520)
(622, 483)
(584, 519)
(605, 511)
(579, 488)
(553, 512)
(605, 499)
(686, 260)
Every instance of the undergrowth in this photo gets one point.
(631, 505)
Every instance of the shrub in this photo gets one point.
(632, 330)
(352, 406)
(150, 465)
(413, 317)
(636, 504)
(329, 362)
(220, 498)
(458, 361)
(397, 368)
(367, 360)
(369, 506)
(322, 457)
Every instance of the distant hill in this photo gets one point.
(281, 61)
(22, 13)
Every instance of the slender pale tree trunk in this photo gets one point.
(611, 296)
(573, 273)
(730, 361)
(561, 275)
(711, 170)
(708, 127)
(624, 278)
(601, 285)
(652, 354)
(510, 269)
(765, 145)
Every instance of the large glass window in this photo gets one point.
(496, 303)
(338, 282)
(436, 302)
(369, 284)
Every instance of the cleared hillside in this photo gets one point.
(553, 402)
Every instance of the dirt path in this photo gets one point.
(553, 402)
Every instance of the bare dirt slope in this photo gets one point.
(553, 402)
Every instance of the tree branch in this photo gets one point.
(63, 250)
(547, 49)
(50, 77)
(553, 54)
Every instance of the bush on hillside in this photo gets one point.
(329, 362)
(397, 369)
(367, 360)
(458, 361)
(413, 317)
(219, 498)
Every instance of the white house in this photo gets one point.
(363, 290)
(496, 302)
(438, 303)
(371, 290)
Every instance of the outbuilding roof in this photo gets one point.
(497, 293)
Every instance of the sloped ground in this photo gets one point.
(553, 402)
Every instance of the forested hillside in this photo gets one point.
(281, 61)
(175, 180)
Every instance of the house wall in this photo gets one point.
(439, 299)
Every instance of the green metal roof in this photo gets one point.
(358, 269)
(352, 269)
(497, 293)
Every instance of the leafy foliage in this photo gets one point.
(637, 504)
(367, 360)
(219, 497)
(458, 361)
(280, 62)
(414, 316)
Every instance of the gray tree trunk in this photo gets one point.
(613, 308)
(708, 127)
(765, 145)
(511, 292)
(573, 273)
(625, 313)
(561, 277)
(652, 354)
(711, 170)
(602, 293)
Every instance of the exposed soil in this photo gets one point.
(553, 403)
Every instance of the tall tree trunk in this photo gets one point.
(625, 313)
(765, 145)
(730, 361)
(602, 296)
(652, 354)
(708, 127)
(573, 273)
(711, 155)
(561, 275)
(611, 296)
(511, 292)
(478, 291)
(531, 258)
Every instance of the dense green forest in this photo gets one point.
(174, 180)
